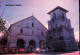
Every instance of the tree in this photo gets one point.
(2, 25)
(3, 29)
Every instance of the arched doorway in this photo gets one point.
(59, 44)
(3, 42)
(20, 43)
(49, 49)
(32, 43)
(42, 44)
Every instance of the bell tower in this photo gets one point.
(58, 12)
(58, 18)
(60, 34)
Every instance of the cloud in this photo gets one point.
(46, 26)
(76, 36)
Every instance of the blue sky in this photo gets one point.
(39, 8)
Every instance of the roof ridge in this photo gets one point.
(39, 22)
(21, 20)
(27, 18)
(58, 7)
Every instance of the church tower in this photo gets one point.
(60, 36)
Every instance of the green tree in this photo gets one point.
(3, 29)
(2, 25)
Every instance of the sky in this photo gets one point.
(40, 8)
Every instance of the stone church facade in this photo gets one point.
(28, 32)
(60, 36)
(31, 33)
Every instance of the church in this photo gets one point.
(31, 33)
(26, 33)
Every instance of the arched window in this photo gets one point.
(50, 38)
(42, 33)
(54, 15)
(49, 48)
(62, 15)
(42, 44)
(61, 38)
(52, 19)
(61, 25)
(59, 31)
(32, 24)
(21, 31)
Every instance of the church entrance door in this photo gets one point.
(20, 43)
(32, 44)
(42, 44)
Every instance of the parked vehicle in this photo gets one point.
(30, 49)
(15, 50)
(37, 50)
(4, 49)
(22, 50)
(42, 50)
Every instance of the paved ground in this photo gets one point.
(50, 53)
(72, 53)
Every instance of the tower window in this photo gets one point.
(32, 24)
(68, 26)
(42, 33)
(54, 15)
(50, 38)
(61, 38)
(65, 25)
(21, 31)
(61, 25)
(56, 25)
(59, 31)
(62, 17)
(53, 20)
